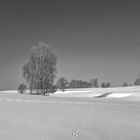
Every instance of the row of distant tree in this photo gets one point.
(40, 71)
(136, 83)
(63, 83)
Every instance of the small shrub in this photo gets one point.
(22, 88)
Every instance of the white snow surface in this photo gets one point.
(116, 92)
(31, 117)
(119, 95)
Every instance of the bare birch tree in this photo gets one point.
(40, 71)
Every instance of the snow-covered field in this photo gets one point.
(116, 92)
(114, 114)
(119, 92)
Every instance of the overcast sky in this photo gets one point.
(90, 38)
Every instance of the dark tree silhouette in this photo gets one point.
(106, 85)
(94, 83)
(22, 88)
(137, 82)
(62, 83)
(125, 84)
(79, 84)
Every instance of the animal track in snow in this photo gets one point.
(75, 133)
(83, 124)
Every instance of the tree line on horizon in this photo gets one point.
(63, 84)
(40, 72)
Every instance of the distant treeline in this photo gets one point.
(93, 83)
(63, 83)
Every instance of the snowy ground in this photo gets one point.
(95, 92)
(32, 117)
